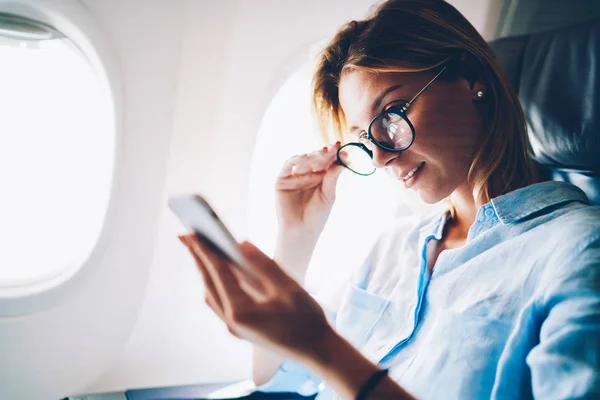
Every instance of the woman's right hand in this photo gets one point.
(305, 190)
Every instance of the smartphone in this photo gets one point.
(198, 216)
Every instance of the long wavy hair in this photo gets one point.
(424, 35)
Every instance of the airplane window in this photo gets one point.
(56, 153)
(289, 127)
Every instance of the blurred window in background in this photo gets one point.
(57, 144)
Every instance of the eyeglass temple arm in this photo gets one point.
(422, 90)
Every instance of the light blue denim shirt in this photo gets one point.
(512, 314)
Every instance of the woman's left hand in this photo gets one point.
(273, 311)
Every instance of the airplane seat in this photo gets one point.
(557, 76)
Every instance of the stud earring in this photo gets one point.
(480, 94)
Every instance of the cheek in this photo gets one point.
(446, 130)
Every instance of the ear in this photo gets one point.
(478, 89)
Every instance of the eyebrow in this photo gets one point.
(377, 102)
(380, 98)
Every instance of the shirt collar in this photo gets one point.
(435, 227)
(523, 202)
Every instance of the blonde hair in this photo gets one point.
(423, 35)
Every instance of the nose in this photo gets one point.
(382, 157)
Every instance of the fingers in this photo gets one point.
(344, 156)
(305, 181)
(331, 177)
(329, 157)
(212, 298)
(254, 288)
(289, 165)
(316, 161)
(232, 296)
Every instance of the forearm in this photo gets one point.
(345, 370)
(265, 364)
(293, 251)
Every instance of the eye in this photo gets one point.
(395, 105)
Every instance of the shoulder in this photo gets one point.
(578, 222)
(551, 222)
(573, 243)
(571, 231)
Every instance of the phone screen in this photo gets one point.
(198, 216)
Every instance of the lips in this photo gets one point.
(412, 172)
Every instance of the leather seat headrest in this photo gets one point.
(556, 75)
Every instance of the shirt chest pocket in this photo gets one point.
(359, 312)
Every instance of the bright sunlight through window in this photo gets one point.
(57, 144)
(363, 204)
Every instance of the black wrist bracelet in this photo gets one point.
(370, 384)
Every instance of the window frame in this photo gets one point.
(74, 21)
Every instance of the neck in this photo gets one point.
(465, 210)
(466, 205)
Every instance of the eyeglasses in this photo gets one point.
(391, 131)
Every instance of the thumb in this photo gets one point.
(255, 256)
(249, 250)
(331, 177)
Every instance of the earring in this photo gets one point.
(480, 94)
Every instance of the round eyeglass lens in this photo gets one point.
(355, 158)
(392, 131)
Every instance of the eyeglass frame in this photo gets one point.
(400, 110)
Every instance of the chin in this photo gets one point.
(431, 192)
(429, 197)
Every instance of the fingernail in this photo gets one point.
(338, 143)
(324, 148)
(182, 239)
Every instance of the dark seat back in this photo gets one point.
(557, 77)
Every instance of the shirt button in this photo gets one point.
(489, 212)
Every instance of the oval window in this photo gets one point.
(57, 143)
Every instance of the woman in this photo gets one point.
(499, 297)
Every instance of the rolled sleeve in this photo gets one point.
(566, 362)
(292, 377)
